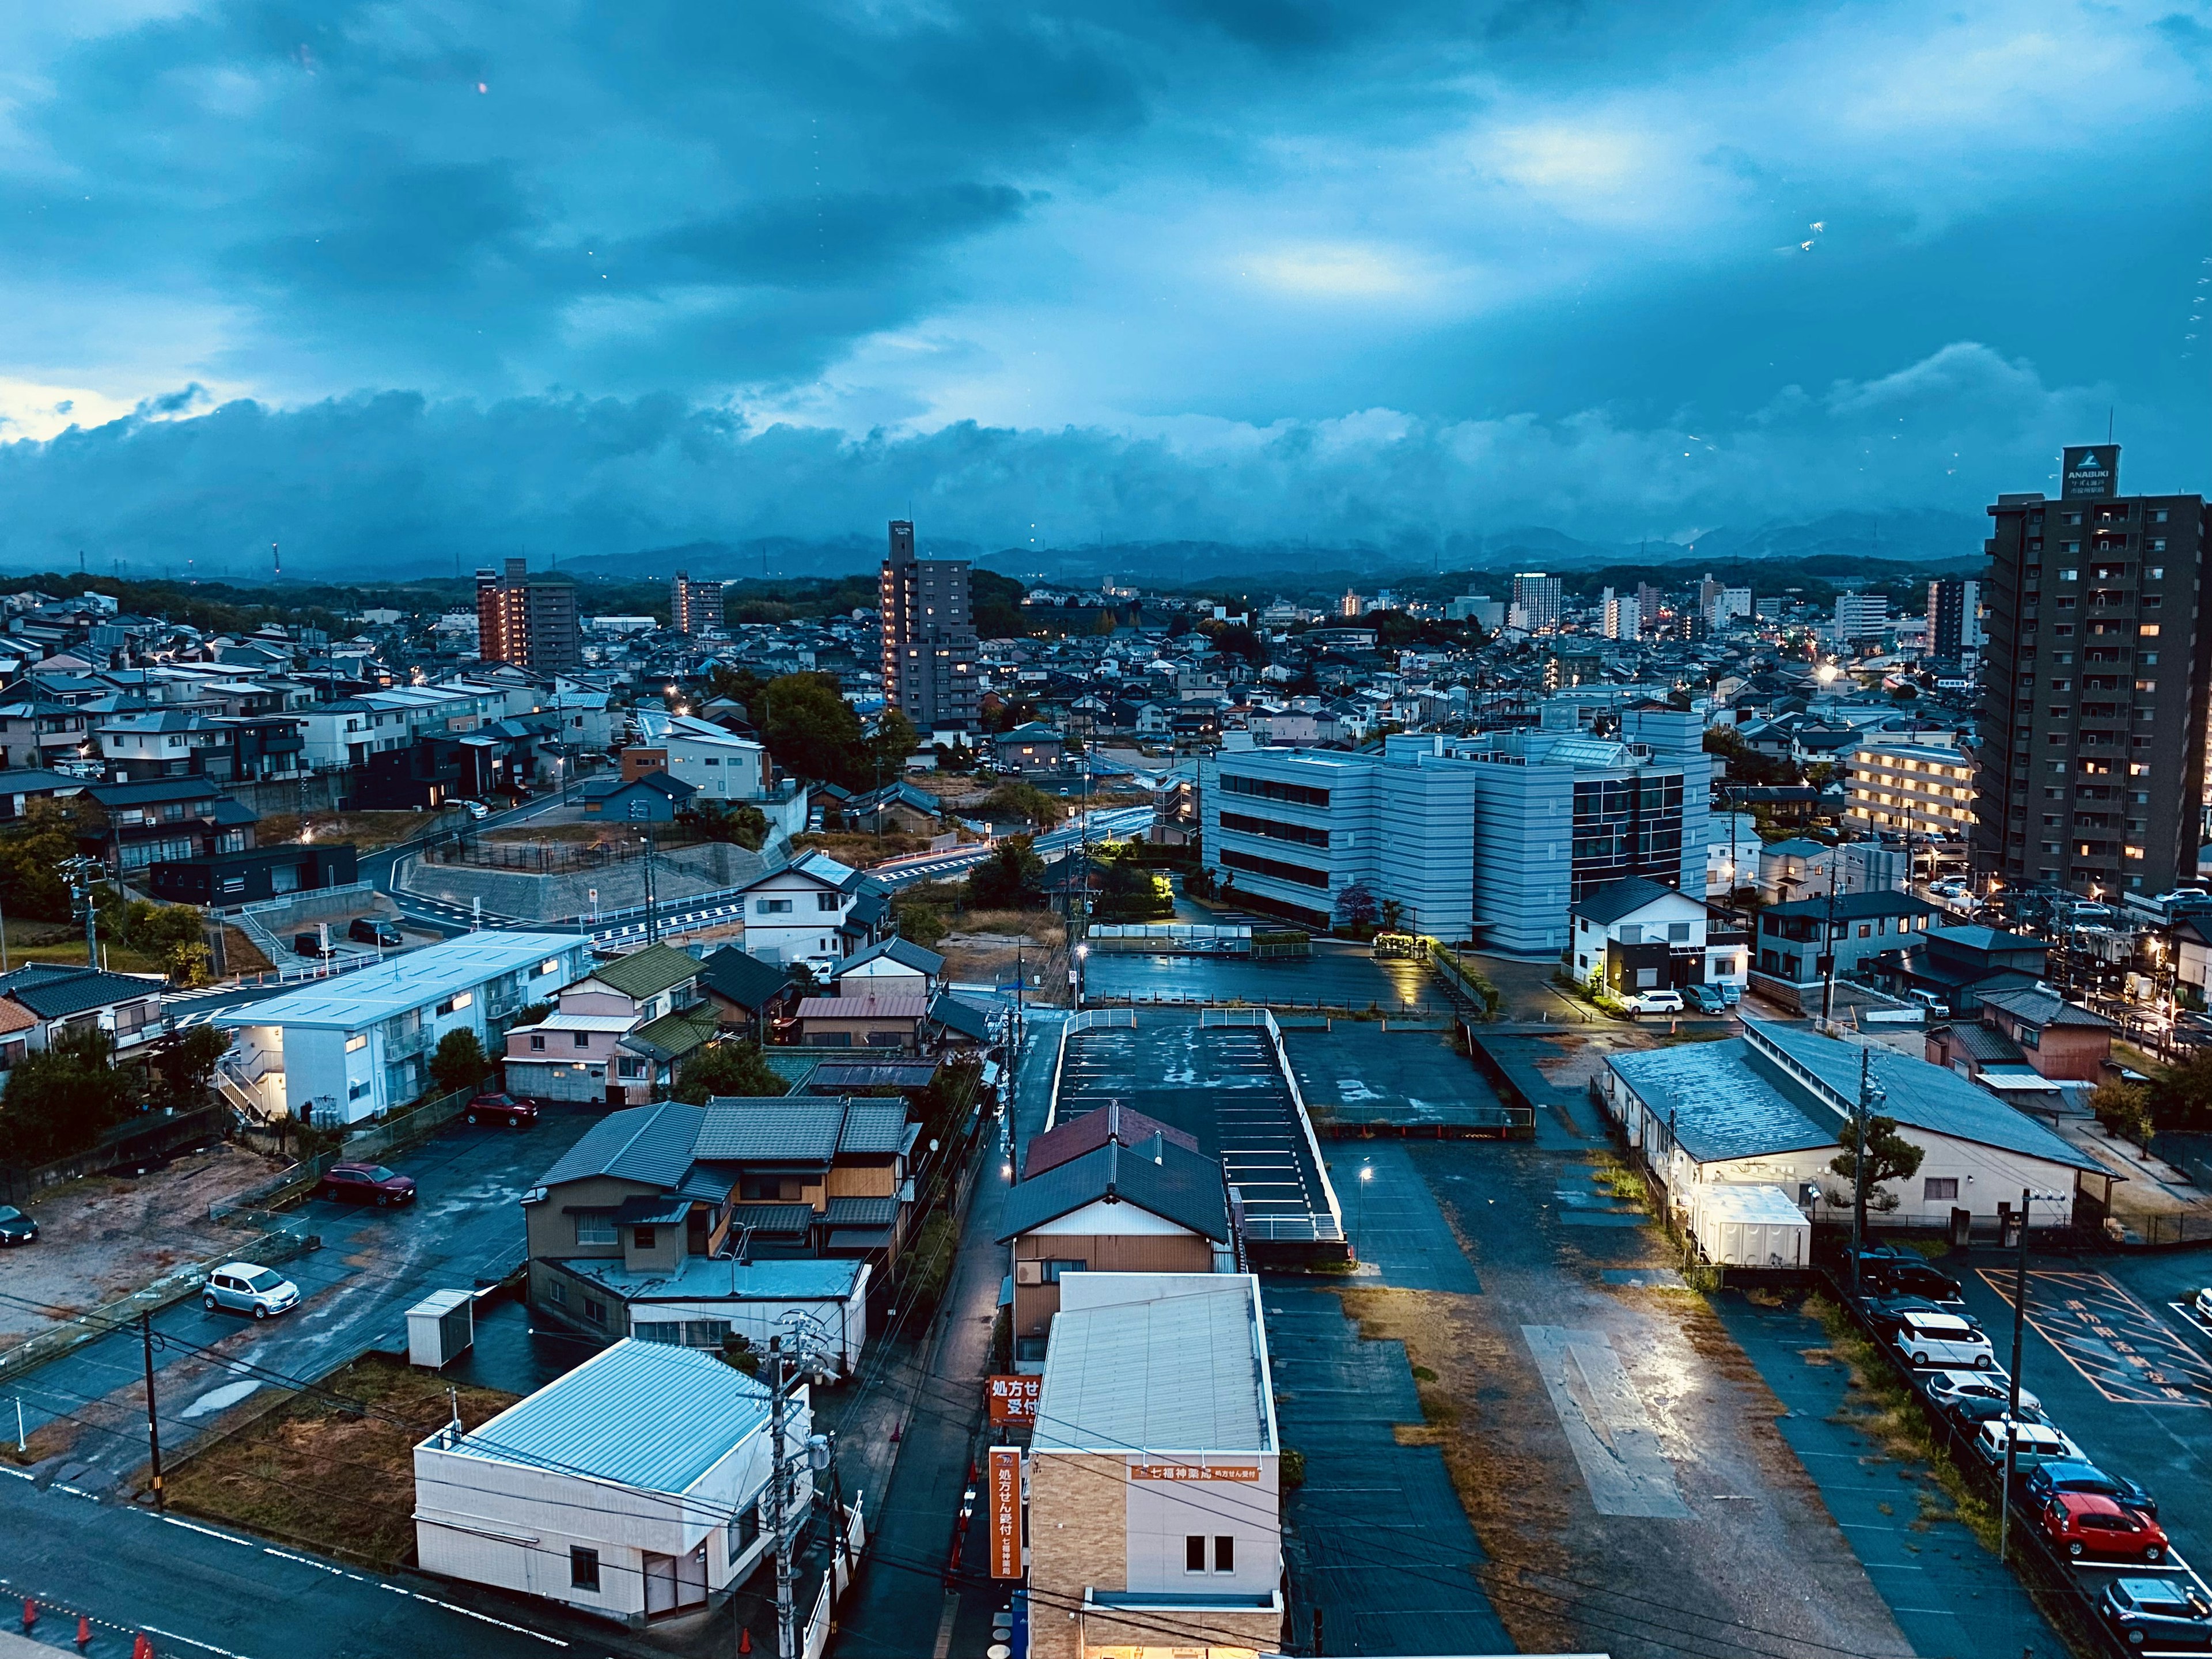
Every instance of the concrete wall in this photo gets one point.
(676, 875)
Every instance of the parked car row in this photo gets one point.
(2087, 1516)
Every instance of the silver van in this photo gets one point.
(1943, 1339)
(244, 1288)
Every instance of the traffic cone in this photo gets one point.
(745, 1641)
(83, 1631)
(30, 1613)
(140, 1647)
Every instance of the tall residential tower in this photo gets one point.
(2091, 775)
(529, 621)
(929, 638)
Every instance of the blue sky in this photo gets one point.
(362, 275)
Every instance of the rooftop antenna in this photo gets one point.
(2108, 422)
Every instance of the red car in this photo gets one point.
(365, 1183)
(503, 1109)
(2089, 1523)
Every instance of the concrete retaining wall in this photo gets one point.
(676, 875)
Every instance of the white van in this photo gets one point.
(1943, 1339)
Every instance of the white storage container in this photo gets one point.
(1749, 1226)
(440, 1329)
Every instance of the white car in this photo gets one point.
(244, 1287)
(475, 809)
(1655, 1002)
(2201, 1303)
(1992, 1384)
(1945, 1341)
(2032, 1443)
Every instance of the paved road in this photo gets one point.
(374, 1265)
(899, 1606)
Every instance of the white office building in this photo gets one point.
(338, 1050)
(1489, 838)
(1623, 616)
(1536, 601)
(1860, 616)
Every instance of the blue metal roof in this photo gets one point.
(1719, 1106)
(643, 1415)
(703, 1280)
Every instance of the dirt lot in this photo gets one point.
(985, 946)
(366, 831)
(335, 1469)
(101, 1238)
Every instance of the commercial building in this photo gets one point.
(929, 641)
(1954, 623)
(2095, 687)
(1775, 1105)
(694, 607)
(1535, 602)
(529, 621)
(1910, 790)
(1154, 1495)
(338, 1050)
(1489, 837)
(636, 1486)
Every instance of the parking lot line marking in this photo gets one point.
(170, 1635)
(470, 1612)
(210, 1532)
(2121, 1348)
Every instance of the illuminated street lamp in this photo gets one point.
(1360, 1219)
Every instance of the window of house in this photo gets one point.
(1939, 1187)
(627, 1066)
(1631, 933)
(669, 1332)
(595, 1310)
(744, 1529)
(771, 906)
(1866, 929)
(560, 1292)
(356, 1042)
(641, 1238)
(583, 1039)
(828, 900)
(1194, 1552)
(1224, 1554)
(1678, 933)
(705, 1332)
(1056, 1267)
(595, 1227)
(583, 1569)
(537, 1044)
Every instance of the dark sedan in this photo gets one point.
(1968, 1410)
(1887, 1313)
(502, 1109)
(365, 1183)
(16, 1227)
(2046, 1481)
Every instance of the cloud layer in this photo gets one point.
(397, 481)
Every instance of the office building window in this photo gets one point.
(1224, 1554)
(1194, 1552)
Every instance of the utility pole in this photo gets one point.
(153, 1421)
(2012, 1397)
(80, 873)
(652, 914)
(779, 1517)
(1828, 945)
(1870, 1093)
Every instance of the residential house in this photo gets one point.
(257, 873)
(1638, 934)
(18, 1026)
(561, 1496)
(1033, 749)
(670, 1195)
(339, 1050)
(895, 808)
(649, 797)
(1956, 965)
(720, 765)
(1158, 1207)
(163, 821)
(2048, 1035)
(1112, 1124)
(891, 967)
(578, 1051)
(20, 786)
(812, 907)
(1154, 1471)
(36, 733)
(746, 993)
(1860, 930)
(866, 1020)
(1773, 1107)
(60, 996)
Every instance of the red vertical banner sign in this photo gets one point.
(1006, 1512)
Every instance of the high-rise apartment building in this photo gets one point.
(694, 607)
(529, 621)
(1954, 625)
(1537, 596)
(1622, 618)
(2091, 774)
(1860, 616)
(929, 638)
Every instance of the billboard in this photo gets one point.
(1013, 1399)
(1006, 1512)
(2091, 473)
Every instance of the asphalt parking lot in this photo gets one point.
(1359, 1072)
(2118, 1366)
(1339, 974)
(87, 1409)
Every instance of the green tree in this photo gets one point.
(812, 732)
(1889, 1156)
(459, 1063)
(741, 824)
(1355, 907)
(1011, 879)
(61, 1099)
(186, 1063)
(924, 924)
(2124, 1110)
(1393, 914)
(726, 1068)
(895, 739)
(1014, 798)
(2181, 1096)
(996, 601)
(31, 851)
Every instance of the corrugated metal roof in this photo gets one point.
(863, 1007)
(704, 1278)
(560, 1022)
(1162, 1372)
(359, 1000)
(1719, 1106)
(642, 1414)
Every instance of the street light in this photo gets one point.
(1360, 1219)
(1082, 957)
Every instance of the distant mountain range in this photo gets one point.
(1834, 544)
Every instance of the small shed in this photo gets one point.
(440, 1329)
(1750, 1226)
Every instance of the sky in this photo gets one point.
(428, 282)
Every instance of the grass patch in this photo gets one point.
(1622, 1182)
(1890, 1414)
(321, 1470)
(366, 831)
